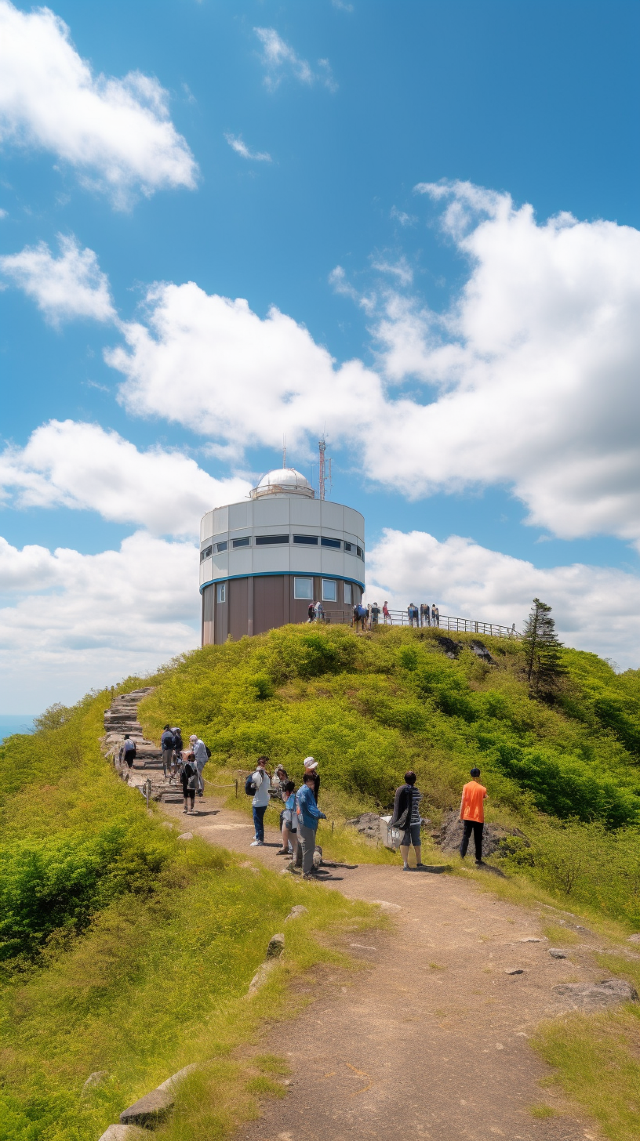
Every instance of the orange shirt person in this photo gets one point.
(474, 795)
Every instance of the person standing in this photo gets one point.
(308, 814)
(289, 822)
(375, 614)
(474, 795)
(262, 783)
(319, 612)
(406, 818)
(167, 744)
(311, 769)
(437, 615)
(127, 751)
(199, 750)
(424, 614)
(189, 778)
(386, 617)
(311, 612)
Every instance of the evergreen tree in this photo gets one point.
(543, 655)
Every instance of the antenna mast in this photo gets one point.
(324, 473)
(284, 451)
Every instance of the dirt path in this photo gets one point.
(431, 1041)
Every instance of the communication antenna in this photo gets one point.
(284, 451)
(324, 472)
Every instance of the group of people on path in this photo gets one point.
(315, 612)
(406, 817)
(185, 764)
(298, 818)
(423, 616)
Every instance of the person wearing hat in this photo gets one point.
(311, 769)
(199, 750)
(308, 814)
(167, 744)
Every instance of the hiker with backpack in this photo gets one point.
(167, 744)
(127, 751)
(178, 746)
(258, 785)
(406, 818)
(201, 754)
(189, 779)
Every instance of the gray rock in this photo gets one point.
(529, 939)
(558, 953)
(297, 911)
(149, 1110)
(605, 993)
(261, 976)
(94, 1080)
(123, 1133)
(276, 947)
(175, 1079)
(480, 650)
(496, 838)
(186, 836)
(514, 971)
(368, 824)
(634, 938)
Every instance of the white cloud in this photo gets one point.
(279, 58)
(84, 467)
(530, 377)
(71, 285)
(241, 148)
(402, 217)
(116, 132)
(88, 620)
(213, 365)
(596, 608)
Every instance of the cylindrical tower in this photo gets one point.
(263, 561)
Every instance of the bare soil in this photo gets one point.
(431, 1040)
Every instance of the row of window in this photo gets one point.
(303, 588)
(274, 540)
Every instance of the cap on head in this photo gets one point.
(475, 772)
(310, 764)
(193, 737)
(126, 736)
(167, 726)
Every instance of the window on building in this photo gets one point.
(324, 542)
(242, 542)
(347, 594)
(221, 592)
(329, 590)
(270, 540)
(206, 554)
(303, 588)
(310, 540)
(359, 552)
(348, 546)
(221, 546)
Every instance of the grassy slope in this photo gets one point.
(124, 950)
(151, 948)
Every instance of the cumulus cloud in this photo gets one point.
(84, 467)
(596, 608)
(280, 59)
(240, 147)
(116, 133)
(71, 285)
(212, 364)
(88, 620)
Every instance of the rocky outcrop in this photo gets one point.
(123, 1133)
(496, 838)
(150, 1110)
(591, 996)
(275, 950)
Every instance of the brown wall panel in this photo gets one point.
(238, 607)
(268, 602)
(208, 596)
(222, 619)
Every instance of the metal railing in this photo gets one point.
(459, 625)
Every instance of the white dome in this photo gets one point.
(283, 481)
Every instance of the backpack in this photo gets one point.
(249, 786)
(130, 747)
(208, 750)
(177, 740)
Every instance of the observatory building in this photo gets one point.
(263, 561)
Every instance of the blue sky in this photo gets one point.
(354, 106)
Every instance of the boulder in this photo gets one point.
(297, 911)
(592, 995)
(558, 953)
(149, 1110)
(175, 1079)
(368, 824)
(276, 946)
(634, 938)
(480, 650)
(450, 648)
(496, 838)
(186, 836)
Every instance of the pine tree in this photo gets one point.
(543, 655)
